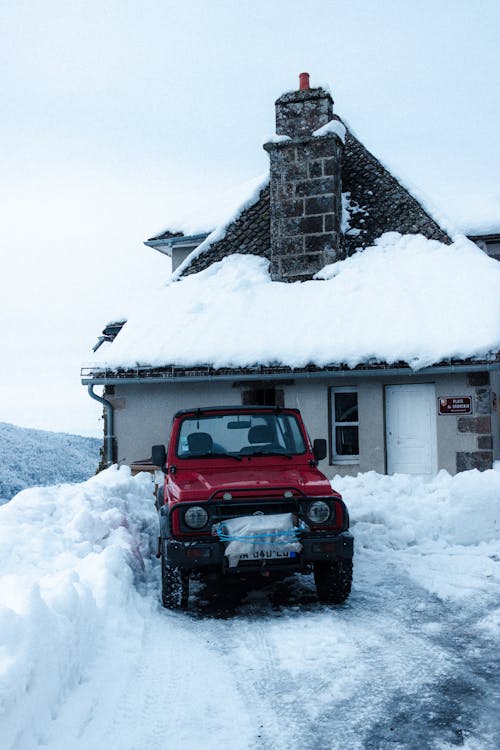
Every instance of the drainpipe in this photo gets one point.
(108, 436)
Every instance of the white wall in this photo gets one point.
(143, 415)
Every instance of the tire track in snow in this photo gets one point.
(167, 692)
(332, 678)
(260, 680)
(305, 676)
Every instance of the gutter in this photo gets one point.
(108, 436)
(210, 375)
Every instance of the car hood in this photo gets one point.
(204, 482)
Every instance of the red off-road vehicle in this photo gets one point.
(243, 496)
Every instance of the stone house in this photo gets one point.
(327, 199)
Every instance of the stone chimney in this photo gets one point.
(306, 204)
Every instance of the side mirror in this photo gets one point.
(159, 456)
(319, 449)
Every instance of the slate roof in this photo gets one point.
(378, 204)
(250, 234)
(384, 204)
(166, 235)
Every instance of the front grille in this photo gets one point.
(225, 511)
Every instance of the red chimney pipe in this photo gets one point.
(304, 81)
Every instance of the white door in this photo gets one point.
(410, 423)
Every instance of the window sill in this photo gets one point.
(342, 461)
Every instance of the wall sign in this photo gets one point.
(455, 405)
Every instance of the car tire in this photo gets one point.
(333, 581)
(174, 585)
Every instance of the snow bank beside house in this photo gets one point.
(405, 299)
(69, 558)
(445, 533)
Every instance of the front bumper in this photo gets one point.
(209, 555)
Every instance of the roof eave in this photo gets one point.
(487, 237)
(166, 244)
(207, 373)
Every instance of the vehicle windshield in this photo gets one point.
(240, 435)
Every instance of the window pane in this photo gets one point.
(291, 434)
(260, 397)
(346, 441)
(346, 407)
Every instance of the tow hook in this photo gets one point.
(158, 548)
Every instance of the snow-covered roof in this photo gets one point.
(212, 213)
(244, 216)
(376, 202)
(480, 216)
(402, 291)
(404, 299)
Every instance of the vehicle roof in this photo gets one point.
(233, 409)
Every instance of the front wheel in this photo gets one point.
(333, 581)
(174, 585)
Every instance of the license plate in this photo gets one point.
(268, 554)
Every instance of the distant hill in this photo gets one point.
(31, 458)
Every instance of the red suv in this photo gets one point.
(243, 496)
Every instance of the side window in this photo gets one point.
(345, 425)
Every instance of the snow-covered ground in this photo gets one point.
(89, 660)
(36, 457)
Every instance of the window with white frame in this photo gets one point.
(345, 425)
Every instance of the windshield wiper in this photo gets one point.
(215, 455)
(269, 453)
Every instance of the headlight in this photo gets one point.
(195, 517)
(318, 512)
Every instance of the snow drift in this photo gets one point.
(69, 556)
(445, 533)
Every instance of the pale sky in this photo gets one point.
(118, 117)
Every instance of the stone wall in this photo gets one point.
(305, 187)
(299, 113)
(306, 205)
(479, 425)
